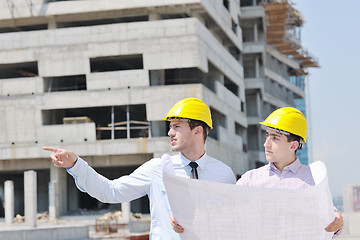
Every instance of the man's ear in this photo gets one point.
(294, 145)
(198, 130)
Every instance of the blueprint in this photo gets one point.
(217, 211)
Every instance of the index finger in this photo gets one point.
(52, 149)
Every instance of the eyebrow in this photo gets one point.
(274, 134)
(173, 124)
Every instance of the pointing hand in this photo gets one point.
(61, 157)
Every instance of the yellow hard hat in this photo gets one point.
(288, 119)
(191, 108)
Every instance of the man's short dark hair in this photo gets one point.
(293, 137)
(194, 123)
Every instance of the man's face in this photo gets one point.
(181, 136)
(277, 148)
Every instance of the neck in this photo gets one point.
(193, 155)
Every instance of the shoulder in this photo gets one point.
(220, 169)
(149, 167)
(214, 162)
(258, 171)
(304, 170)
(155, 164)
(305, 174)
(249, 175)
(219, 166)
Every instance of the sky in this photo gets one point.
(332, 33)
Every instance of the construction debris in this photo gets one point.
(40, 217)
(19, 219)
(110, 216)
(137, 215)
(108, 223)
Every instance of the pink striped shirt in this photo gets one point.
(293, 176)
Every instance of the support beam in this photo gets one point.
(125, 209)
(9, 202)
(57, 192)
(30, 191)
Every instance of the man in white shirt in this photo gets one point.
(190, 122)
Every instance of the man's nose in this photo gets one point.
(171, 132)
(266, 143)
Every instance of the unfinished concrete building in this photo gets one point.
(274, 64)
(96, 77)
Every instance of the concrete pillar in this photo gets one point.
(200, 18)
(153, 16)
(127, 122)
(9, 202)
(52, 23)
(221, 79)
(259, 109)
(256, 38)
(57, 192)
(112, 123)
(52, 201)
(125, 209)
(257, 67)
(30, 198)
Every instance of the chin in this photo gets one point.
(175, 149)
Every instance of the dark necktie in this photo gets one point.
(194, 173)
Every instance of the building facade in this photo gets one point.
(96, 77)
(274, 64)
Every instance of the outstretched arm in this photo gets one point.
(123, 189)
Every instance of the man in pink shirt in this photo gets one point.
(285, 132)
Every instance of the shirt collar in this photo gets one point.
(293, 167)
(201, 161)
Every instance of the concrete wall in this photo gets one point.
(193, 46)
(55, 233)
(206, 35)
(117, 79)
(21, 86)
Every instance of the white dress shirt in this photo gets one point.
(147, 180)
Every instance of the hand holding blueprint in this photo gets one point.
(216, 211)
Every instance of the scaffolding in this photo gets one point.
(281, 19)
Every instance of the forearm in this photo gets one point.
(105, 190)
